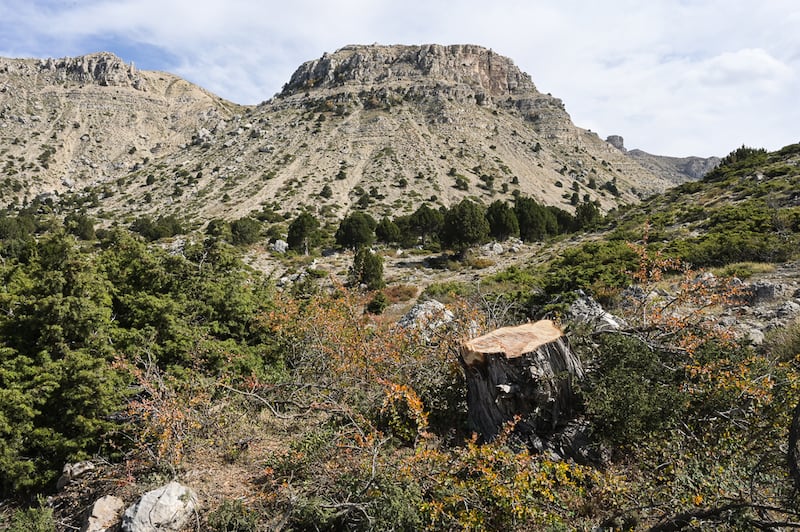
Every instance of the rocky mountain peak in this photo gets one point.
(102, 68)
(474, 66)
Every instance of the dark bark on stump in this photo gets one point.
(535, 386)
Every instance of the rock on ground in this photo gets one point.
(168, 508)
(105, 515)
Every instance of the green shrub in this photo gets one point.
(590, 265)
(233, 516)
(245, 231)
(378, 303)
(632, 391)
(33, 520)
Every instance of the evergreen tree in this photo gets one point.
(367, 269)
(356, 230)
(426, 222)
(502, 220)
(387, 231)
(535, 221)
(464, 225)
(587, 215)
(302, 234)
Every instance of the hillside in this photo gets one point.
(294, 408)
(71, 123)
(400, 125)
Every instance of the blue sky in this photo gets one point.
(677, 77)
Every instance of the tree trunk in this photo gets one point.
(525, 371)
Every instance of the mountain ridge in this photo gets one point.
(385, 128)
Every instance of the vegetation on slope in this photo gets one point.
(327, 417)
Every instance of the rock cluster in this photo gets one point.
(105, 69)
(489, 73)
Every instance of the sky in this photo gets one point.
(673, 77)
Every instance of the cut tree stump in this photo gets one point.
(525, 371)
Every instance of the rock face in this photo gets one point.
(586, 310)
(618, 142)
(89, 120)
(102, 68)
(487, 73)
(169, 508)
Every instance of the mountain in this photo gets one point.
(676, 169)
(87, 121)
(388, 127)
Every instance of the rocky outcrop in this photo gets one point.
(426, 316)
(105, 69)
(487, 72)
(169, 508)
(618, 142)
(587, 310)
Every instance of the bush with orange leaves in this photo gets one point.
(698, 419)
(389, 447)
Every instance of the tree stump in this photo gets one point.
(525, 371)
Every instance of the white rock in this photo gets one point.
(280, 246)
(166, 509)
(105, 514)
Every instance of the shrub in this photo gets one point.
(400, 292)
(378, 303)
(163, 227)
(233, 516)
(245, 231)
(33, 520)
(632, 392)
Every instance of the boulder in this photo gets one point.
(587, 310)
(426, 316)
(105, 515)
(492, 248)
(280, 246)
(73, 471)
(166, 509)
(764, 291)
